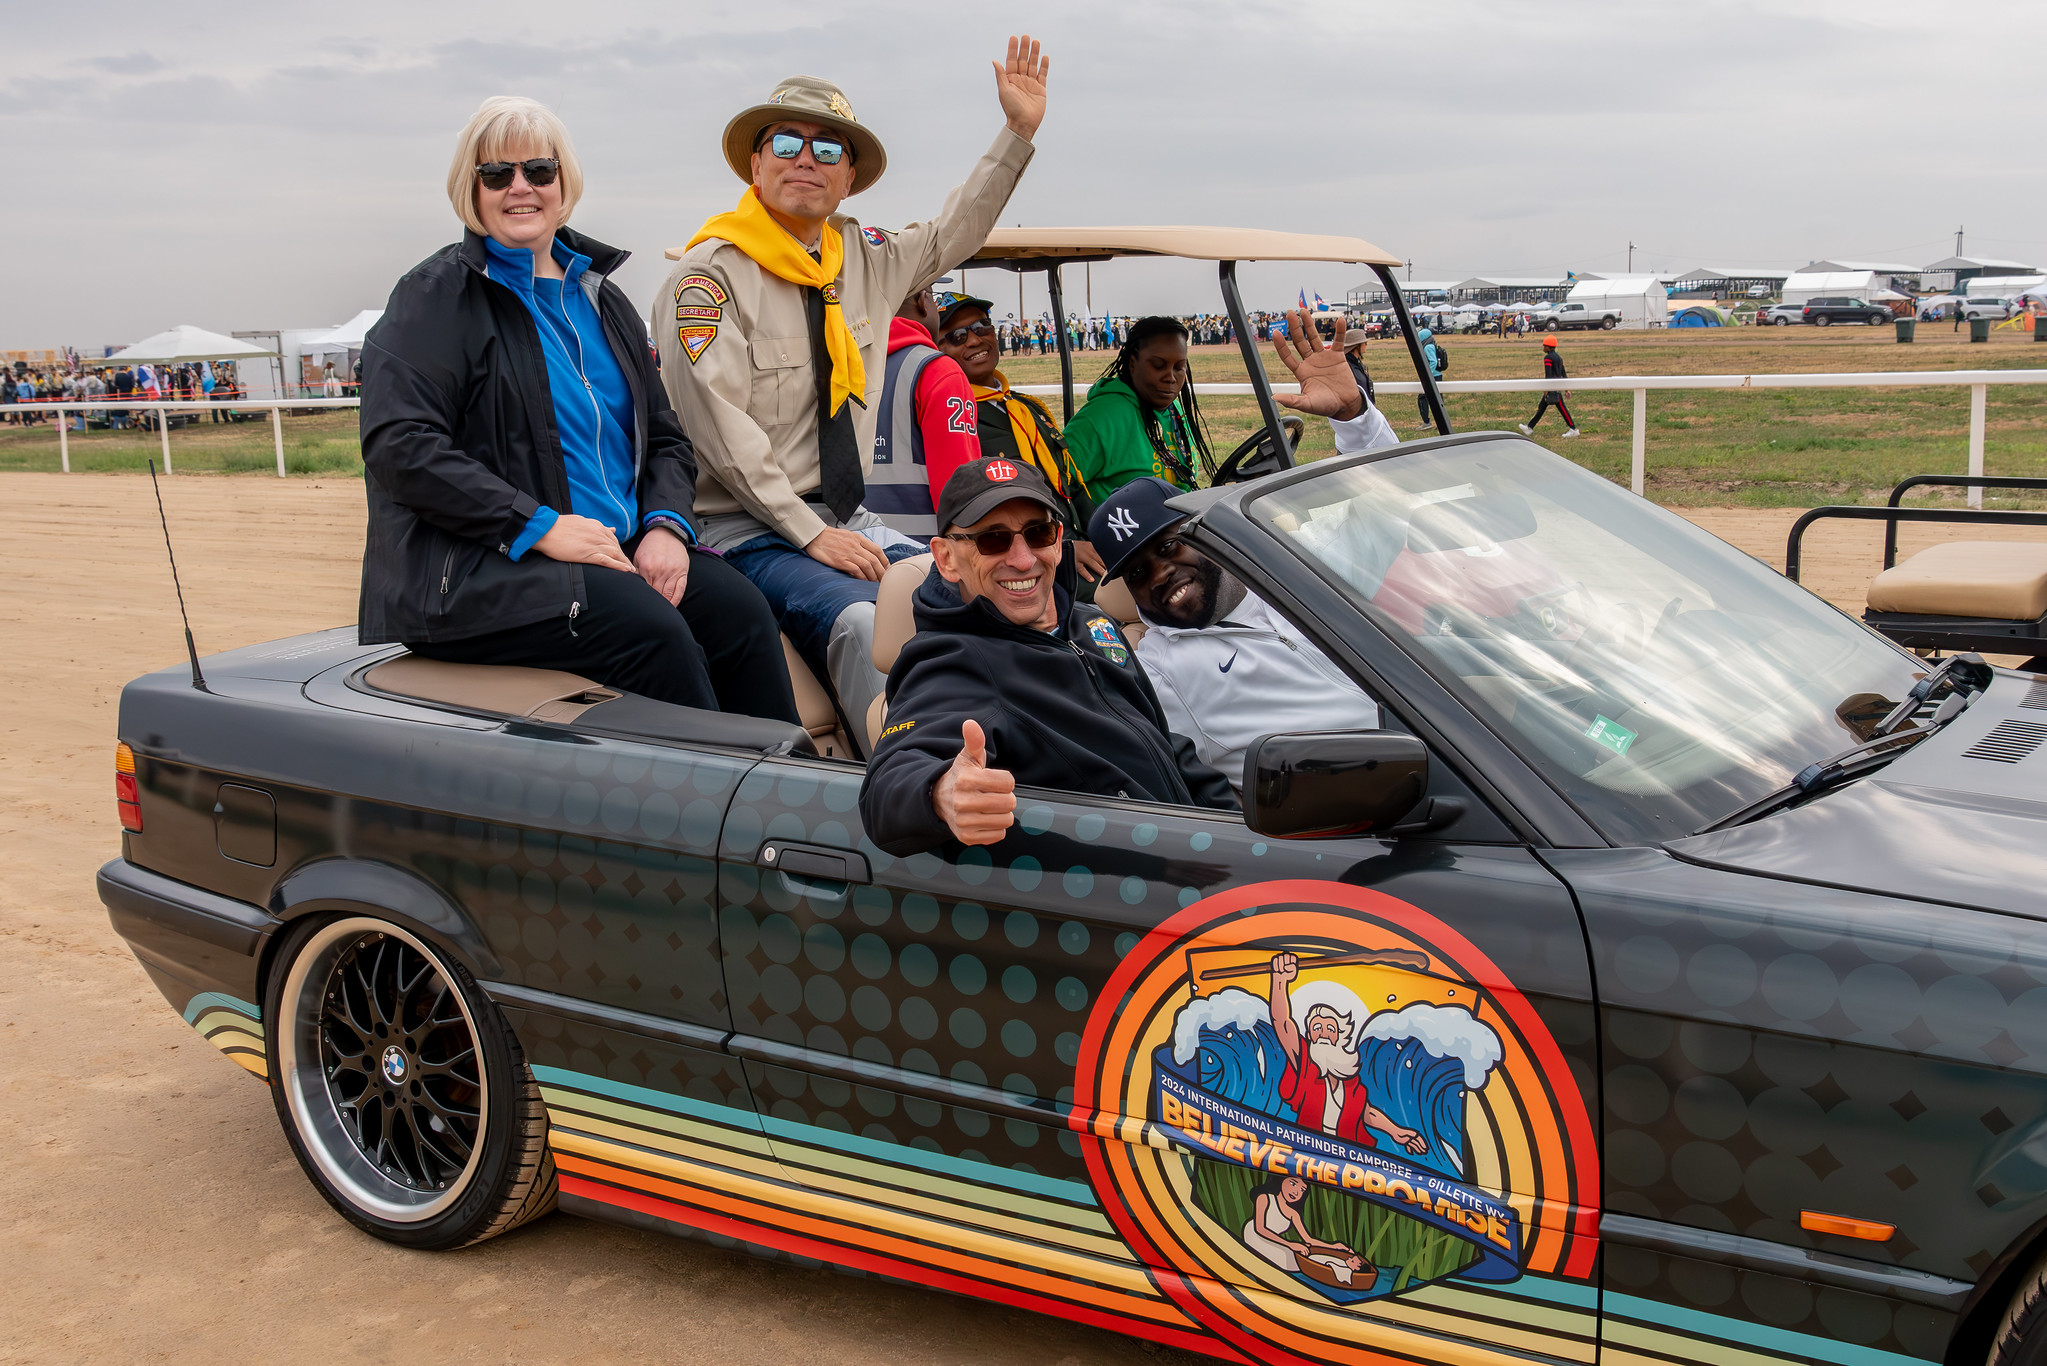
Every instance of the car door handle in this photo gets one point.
(815, 861)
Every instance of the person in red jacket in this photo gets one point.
(1552, 368)
(927, 426)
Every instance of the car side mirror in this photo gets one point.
(1332, 783)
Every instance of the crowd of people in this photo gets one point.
(661, 521)
(82, 383)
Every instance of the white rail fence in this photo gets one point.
(1978, 383)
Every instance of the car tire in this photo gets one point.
(2021, 1338)
(402, 1090)
(1780, 322)
(1607, 324)
(1823, 320)
(1877, 320)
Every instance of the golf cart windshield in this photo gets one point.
(1660, 678)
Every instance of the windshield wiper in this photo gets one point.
(1965, 675)
(1827, 772)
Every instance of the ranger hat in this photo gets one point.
(1130, 519)
(949, 304)
(978, 487)
(805, 99)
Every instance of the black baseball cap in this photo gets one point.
(949, 304)
(979, 487)
(1130, 519)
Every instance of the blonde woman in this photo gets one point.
(530, 488)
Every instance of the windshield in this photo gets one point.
(1659, 677)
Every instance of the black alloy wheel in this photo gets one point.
(403, 1092)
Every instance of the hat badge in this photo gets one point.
(842, 107)
(1000, 471)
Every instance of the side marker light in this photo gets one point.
(1840, 1225)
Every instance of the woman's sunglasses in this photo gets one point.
(958, 336)
(787, 146)
(497, 175)
(995, 542)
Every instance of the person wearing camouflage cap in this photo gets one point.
(773, 334)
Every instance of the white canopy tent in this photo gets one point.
(1806, 285)
(347, 337)
(2002, 286)
(1643, 300)
(185, 343)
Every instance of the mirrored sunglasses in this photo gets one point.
(827, 151)
(497, 175)
(959, 335)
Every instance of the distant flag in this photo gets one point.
(1304, 300)
(1319, 305)
(1570, 275)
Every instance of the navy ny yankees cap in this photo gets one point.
(1129, 519)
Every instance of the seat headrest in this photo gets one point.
(1114, 598)
(894, 622)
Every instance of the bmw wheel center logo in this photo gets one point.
(394, 1064)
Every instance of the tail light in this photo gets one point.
(126, 797)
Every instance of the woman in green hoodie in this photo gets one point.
(1141, 417)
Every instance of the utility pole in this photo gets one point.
(1410, 272)
(1089, 276)
(1631, 258)
(1958, 241)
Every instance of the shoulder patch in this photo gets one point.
(704, 283)
(695, 338)
(1108, 639)
(898, 726)
(876, 237)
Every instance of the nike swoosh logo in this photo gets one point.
(1225, 668)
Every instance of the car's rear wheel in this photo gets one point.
(401, 1088)
(1877, 320)
(1824, 320)
(1780, 321)
(2022, 1333)
(1607, 324)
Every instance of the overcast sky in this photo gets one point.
(261, 167)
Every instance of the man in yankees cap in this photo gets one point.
(1009, 682)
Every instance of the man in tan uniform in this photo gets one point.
(773, 332)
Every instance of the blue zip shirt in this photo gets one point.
(593, 404)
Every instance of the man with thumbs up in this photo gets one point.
(1009, 682)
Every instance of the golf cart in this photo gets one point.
(1265, 451)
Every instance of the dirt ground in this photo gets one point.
(152, 1211)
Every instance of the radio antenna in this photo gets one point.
(191, 650)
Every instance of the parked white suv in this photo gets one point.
(1988, 308)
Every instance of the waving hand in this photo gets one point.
(1020, 85)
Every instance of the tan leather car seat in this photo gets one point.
(1114, 598)
(894, 624)
(2005, 580)
(814, 705)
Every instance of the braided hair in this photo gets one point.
(1124, 367)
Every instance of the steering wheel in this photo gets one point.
(1239, 467)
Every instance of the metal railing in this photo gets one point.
(1978, 383)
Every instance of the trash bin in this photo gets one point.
(1905, 327)
(1979, 329)
(2040, 326)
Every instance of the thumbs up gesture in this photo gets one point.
(977, 803)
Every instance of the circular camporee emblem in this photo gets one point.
(1308, 1098)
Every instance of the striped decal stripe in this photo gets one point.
(232, 1025)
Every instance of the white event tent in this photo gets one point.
(185, 343)
(1806, 285)
(1643, 300)
(347, 337)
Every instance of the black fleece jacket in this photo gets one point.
(1070, 710)
(459, 448)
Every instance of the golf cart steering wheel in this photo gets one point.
(1240, 467)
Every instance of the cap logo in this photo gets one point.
(843, 109)
(1000, 471)
(1123, 524)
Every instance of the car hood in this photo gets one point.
(1959, 818)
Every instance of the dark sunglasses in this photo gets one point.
(959, 335)
(828, 151)
(995, 542)
(497, 175)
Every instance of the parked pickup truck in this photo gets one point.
(1582, 315)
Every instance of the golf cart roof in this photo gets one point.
(1029, 247)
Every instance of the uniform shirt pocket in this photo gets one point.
(782, 379)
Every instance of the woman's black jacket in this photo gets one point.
(459, 448)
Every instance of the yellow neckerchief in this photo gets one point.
(1029, 440)
(754, 231)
